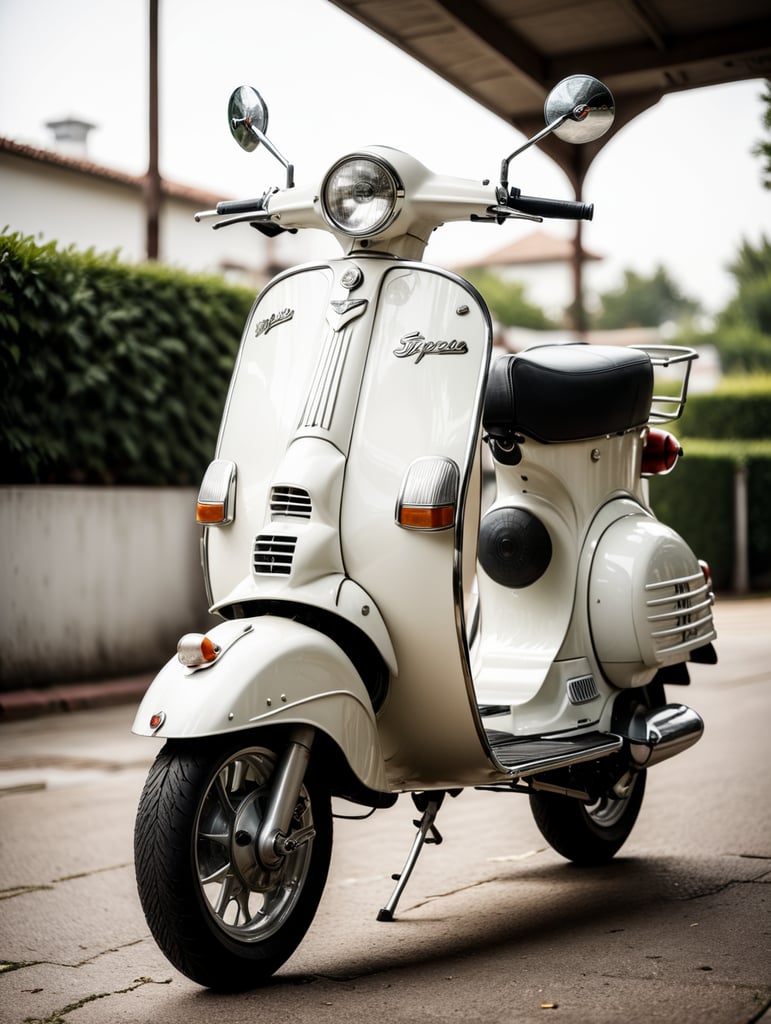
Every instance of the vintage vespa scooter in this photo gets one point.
(385, 630)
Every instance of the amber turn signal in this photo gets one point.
(433, 517)
(195, 649)
(210, 513)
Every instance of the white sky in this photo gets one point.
(677, 186)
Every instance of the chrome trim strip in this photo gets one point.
(674, 582)
(682, 612)
(325, 386)
(689, 645)
(684, 627)
(290, 704)
(679, 596)
(475, 434)
(564, 761)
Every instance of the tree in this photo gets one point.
(763, 149)
(508, 303)
(743, 330)
(644, 302)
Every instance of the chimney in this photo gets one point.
(71, 136)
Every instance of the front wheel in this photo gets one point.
(219, 916)
(588, 833)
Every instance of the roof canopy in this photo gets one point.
(507, 54)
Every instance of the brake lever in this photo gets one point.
(499, 214)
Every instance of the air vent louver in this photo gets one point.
(582, 689)
(680, 614)
(273, 555)
(290, 502)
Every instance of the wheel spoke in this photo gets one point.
(222, 796)
(220, 838)
(239, 771)
(224, 896)
(221, 873)
(242, 899)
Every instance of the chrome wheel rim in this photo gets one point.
(608, 811)
(245, 900)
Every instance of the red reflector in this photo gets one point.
(660, 453)
(422, 517)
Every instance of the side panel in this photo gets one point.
(421, 396)
(270, 383)
(650, 604)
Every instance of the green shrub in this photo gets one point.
(722, 430)
(697, 500)
(740, 408)
(110, 373)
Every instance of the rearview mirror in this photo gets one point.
(583, 107)
(248, 121)
(247, 117)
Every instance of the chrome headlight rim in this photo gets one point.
(383, 222)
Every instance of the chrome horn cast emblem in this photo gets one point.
(263, 326)
(415, 344)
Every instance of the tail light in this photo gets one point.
(661, 452)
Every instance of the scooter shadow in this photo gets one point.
(517, 912)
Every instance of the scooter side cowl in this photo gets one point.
(650, 603)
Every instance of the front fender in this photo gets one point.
(271, 671)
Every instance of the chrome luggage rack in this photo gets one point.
(665, 408)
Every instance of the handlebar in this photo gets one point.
(561, 208)
(232, 206)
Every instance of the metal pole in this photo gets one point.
(741, 573)
(153, 178)
(579, 312)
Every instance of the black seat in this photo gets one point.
(568, 392)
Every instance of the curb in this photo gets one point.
(29, 703)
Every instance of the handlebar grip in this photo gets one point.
(229, 206)
(561, 208)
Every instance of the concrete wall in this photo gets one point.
(64, 205)
(95, 581)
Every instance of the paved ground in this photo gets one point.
(493, 927)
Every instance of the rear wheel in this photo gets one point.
(217, 914)
(588, 833)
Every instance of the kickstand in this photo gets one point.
(429, 803)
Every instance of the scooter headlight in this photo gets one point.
(361, 195)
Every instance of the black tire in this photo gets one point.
(218, 916)
(588, 833)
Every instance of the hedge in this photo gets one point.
(115, 373)
(720, 432)
(740, 408)
(110, 373)
(697, 500)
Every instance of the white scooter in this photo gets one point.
(386, 630)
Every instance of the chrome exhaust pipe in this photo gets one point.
(654, 735)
